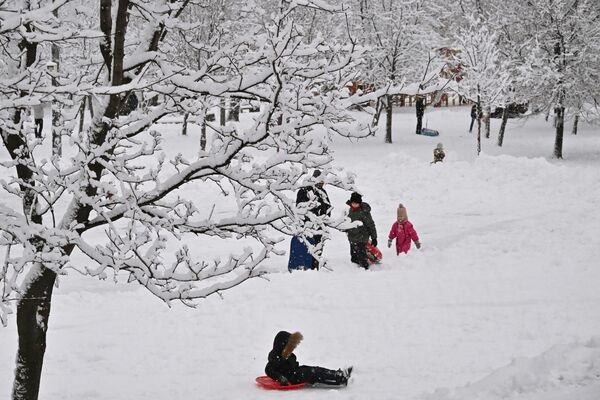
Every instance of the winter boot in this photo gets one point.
(347, 372)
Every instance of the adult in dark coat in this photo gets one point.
(359, 236)
(284, 368)
(473, 116)
(315, 191)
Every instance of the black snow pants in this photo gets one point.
(322, 375)
(358, 254)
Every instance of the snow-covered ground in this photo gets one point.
(501, 302)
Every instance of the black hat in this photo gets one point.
(355, 198)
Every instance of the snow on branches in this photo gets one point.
(120, 200)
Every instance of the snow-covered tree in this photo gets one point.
(486, 76)
(561, 72)
(117, 199)
(398, 36)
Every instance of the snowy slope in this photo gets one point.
(502, 301)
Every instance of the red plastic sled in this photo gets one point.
(270, 384)
(374, 255)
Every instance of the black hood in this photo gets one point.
(281, 340)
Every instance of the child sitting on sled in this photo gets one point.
(284, 368)
(438, 154)
(404, 232)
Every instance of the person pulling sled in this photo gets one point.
(359, 236)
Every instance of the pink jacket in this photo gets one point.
(403, 233)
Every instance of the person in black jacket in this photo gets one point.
(307, 193)
(284, 368)
(359, 236)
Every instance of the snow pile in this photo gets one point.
(576, 364)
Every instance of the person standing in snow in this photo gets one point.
(474, 115)
(359, 235)
(403, 231)
(438, 153)
(283, 367)
(315, 191)
(38, 118)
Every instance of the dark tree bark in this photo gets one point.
(185, 124)
(34, 306)
(82, 115)
(106, 28)
(388, 118)
(222, 113)
(203, 136)
(56, 107)
(378, 108)
(478, 122)
(575, 124)
(487, 121)
(503, 126)
(560, 125)
(33, 312)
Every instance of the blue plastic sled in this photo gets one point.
(300, 258)
(429, 132)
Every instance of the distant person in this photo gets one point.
(359, 236)
(473, 117)
(475, 114)
(315, 191)
(38, 118)
(438, 153)
(403, 231)
(285, 369)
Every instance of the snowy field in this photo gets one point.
(501, 302)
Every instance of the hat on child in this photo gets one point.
(355, 198)
(401, 213)
(440, 146)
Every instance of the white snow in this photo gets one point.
(501, 302)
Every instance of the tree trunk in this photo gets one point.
(33, 311)
(203, 137)
(560, 124)
(185, 124)
(56, 125)
(222, 114)
(378, 109)
(388, 118)
(487, 121)
(82, 115)
(478, 121)
(420, 107)
(503, 126)
(575, 124)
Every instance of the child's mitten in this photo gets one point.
(418, 244)
(389, 243)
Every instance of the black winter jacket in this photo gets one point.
(279, 366)
(361, 234)
(323, 207)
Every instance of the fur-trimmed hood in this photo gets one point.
(285, 343)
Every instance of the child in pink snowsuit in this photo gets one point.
(403, 232)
